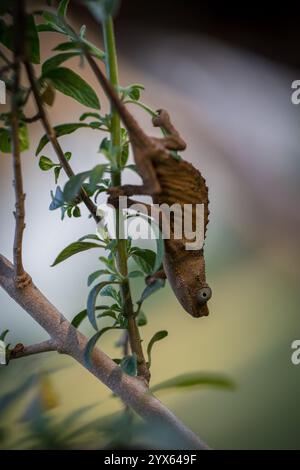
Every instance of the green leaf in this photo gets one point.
(56, 60)
(58, 23)
(141, 319)
(89, 115)
(76, 212)
(5, 139)
(109, 291)
(96, 176)
(157, 337)
(96, 274)
(72, 187)
(3, 335)
(46, 164)
(78, 319)
(145, 258)
(69, 83)
(48, 94)
(78, 46)
(135, 274)
(92, 342)
(32, 41)
(62, 7)
(91, 302)
(129, 365)
(60, 130)
(194, 380)
(90, 236)
(57, 171)
(72, 249)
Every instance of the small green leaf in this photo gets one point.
(145, 258)
(89, 115)
(89, 236)
(157, 337)
(62, 7)
(48, 95)
(32, 41)
(91, 302)
(72, 187)
(135, 274)
(60, 130)
(69, 83)
(141, 319)
(5, 139)
(76, 212)
(57, 171)
(72, 249)
(96, 176)
(3, 335)
(78, 319)
(95, 275)
(92, 343)
(78, 46)
(129, 365)
(55, 61)
(194, 380)
(45, 163)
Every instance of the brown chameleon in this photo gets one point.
(167, 180)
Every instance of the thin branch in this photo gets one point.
(131, 390)
(22, 351)
(20, 276)
(53, 139)
(32, 119)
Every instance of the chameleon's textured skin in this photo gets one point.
(167, 180)
(182, 183)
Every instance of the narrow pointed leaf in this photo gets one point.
(73, 249)
(157, 337)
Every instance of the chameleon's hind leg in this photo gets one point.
(150, 186)
(172, 140)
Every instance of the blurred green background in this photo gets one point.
(233, 108)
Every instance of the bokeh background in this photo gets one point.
(225, 76)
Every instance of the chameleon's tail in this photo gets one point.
(135, 131)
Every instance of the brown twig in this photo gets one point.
(22, 351)
(53, 139)
(21, 278)
(32, 119)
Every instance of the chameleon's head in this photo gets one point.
(189, 283)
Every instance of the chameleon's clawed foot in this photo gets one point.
(113, 195)
(162, 119)
(22, 281)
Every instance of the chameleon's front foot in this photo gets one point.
(162, 119)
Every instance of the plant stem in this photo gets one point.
(133, 331)
(21, 278)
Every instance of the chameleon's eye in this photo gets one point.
(204, 295)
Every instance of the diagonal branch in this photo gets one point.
(131, 390)
(53, 139)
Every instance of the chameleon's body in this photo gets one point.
(168, 181)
